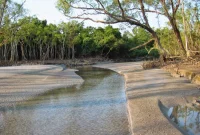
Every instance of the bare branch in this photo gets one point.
(99, 2)
(147, 43)
(98, 13)
(165, 8)
(22, 4)
(154, 11)
(131, 9)
(143, 13)
(85, 8)
(177, 6)
(146, 10)
(88, 18)
(172, 5)
(122, 10)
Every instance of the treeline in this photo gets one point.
(180, 37)
(34, 39)
(28, 38)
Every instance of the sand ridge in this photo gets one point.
(18, 83)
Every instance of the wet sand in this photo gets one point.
(18, 83)
(144, 91)
(97, 107)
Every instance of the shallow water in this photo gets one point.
(97, 107)
(187, 118)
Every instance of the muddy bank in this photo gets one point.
(68, 63)
(144, 90)
(18, 83)
(72, 63)
(188, 69)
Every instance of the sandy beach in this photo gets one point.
(18, 83)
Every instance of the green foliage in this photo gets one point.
(139, 53)
(154, 53)
(40, 40)
(32, 38)
(141, 35)
(168, 41)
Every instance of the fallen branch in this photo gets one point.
(134, 48)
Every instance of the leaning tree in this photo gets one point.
(132, 12)
(168, 9)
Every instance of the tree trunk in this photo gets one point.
(52, 56)
(185, 31)
(22, 49)
(73, 53)
(12, 50)
(62, 52)
(175, 114)
(46, 56)
(16, 51)
(163, 53)
(153, 33)
(5, 52)
(12, 53)
(69, 53)
(47, 52)
(3, 7)
(1, 55)
(108, 52)
(54, 52)
(178, 36)
(172, 20)
(41, 55)
(63, 48)
(30, 52)
(185, 119)
(34, 50)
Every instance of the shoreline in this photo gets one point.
(190, 74)
(19, 83)
(145, 89)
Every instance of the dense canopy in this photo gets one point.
(28, 38)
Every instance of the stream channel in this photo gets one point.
(187, 118)
(97, 107)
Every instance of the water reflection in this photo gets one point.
(98, 106)
(188, 118)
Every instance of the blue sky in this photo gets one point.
(45, 9)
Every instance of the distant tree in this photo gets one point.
(73, 36)
(141, 36)
(88, 44)
(63, 28)
(169, 41)
(10, 13)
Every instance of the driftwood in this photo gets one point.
(134, 48)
